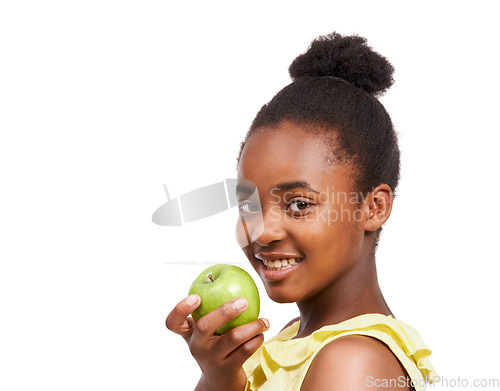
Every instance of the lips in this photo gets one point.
(276, 266)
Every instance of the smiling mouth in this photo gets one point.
(281, 264)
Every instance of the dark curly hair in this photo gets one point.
(334, 91)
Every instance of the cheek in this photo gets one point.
(255, 263)
(327, 237)
(248, 253)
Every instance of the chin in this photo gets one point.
(280, 297)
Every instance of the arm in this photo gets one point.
(355, 363)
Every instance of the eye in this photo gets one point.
(298, 207)
(248, 207)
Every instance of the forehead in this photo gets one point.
(288, 153)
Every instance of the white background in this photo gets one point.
(102, 102)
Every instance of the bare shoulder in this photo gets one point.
(291, 322)
(357, 363)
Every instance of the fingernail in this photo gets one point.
(240, 303)
(192, 299)
(266, 322)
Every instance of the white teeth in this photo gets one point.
(281, 264)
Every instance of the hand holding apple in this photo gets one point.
(220, 357)
(219, 284)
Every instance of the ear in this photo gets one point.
(377, 207)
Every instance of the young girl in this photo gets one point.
(324, 157)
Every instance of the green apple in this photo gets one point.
(221, 283)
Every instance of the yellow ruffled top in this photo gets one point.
(281, 363)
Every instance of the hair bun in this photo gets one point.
(345, 57)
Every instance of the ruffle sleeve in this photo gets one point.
(281, 363)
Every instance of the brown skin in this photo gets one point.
(337, 278)
(220, 357)
(347, 363)
(334, 235)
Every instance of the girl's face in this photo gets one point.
(311, 222)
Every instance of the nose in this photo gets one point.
(272, 227)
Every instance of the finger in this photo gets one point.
(238, 336)
(205, 327)
(178, 320)
(243, 352)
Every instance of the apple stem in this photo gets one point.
(211, 278)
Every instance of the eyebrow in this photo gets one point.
(283, 186)
(244, 189)
(295, 185)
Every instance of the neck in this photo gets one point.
(355, 293)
